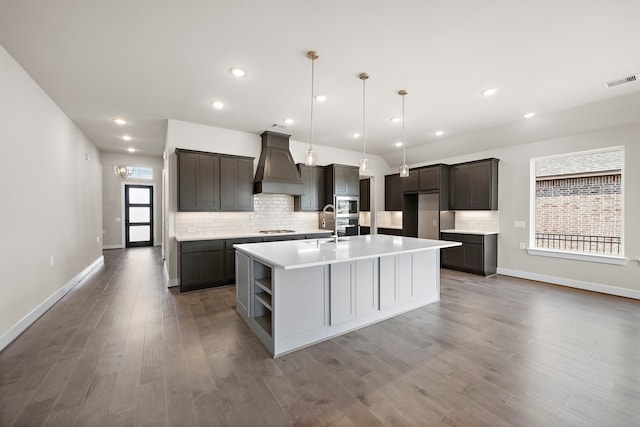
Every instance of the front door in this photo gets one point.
(138, 215)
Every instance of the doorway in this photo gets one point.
(138, 215)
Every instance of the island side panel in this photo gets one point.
(243, 281)
(301, 307)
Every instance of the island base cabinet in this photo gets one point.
(312, 304)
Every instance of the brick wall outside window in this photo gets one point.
(580, 206)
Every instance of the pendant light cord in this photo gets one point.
(364, 140)
(313, 61)
(404, 145)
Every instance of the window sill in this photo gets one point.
(579, 256)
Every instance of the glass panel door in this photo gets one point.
(138, 215)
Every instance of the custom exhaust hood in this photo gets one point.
(277, 173)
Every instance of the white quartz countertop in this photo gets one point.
(186, 237)
(481, 233)
(294, 254)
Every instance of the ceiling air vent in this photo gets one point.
(629, 79)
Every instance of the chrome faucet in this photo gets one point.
(324, 211)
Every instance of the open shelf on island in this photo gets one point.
(264, 284)
(265, 299)
(264, 322)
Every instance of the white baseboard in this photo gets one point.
(587, 286)
(112, 247)
(35, 314)
(169, 283)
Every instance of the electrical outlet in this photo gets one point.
(97, 239)
(51, 261)
(519, 224)
(117, 219)
(523, 245)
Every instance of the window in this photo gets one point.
(578, 203)
(140, 173)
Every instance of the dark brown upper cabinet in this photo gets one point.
(411, 183)
(198, 181)
(210, 182)
(341, 180)
(365, 195)
(313, 198)
(392, 193)
(474, 185)
(236, 183)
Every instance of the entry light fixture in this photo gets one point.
(404, 169)
(122, 171)
(364, 162)
(310, 156)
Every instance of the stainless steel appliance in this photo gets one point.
(346, 206)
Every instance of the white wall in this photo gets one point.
(113, 191)
(217, 140)
(51, 200)
(514, 201)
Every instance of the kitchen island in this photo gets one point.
(295, 293)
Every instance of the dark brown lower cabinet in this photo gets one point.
(390, 231)
(210, 263)
(365, 230)
(478, 253)
(201, 264)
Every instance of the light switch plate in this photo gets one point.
(519, 224)
(523, 245)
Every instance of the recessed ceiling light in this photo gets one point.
(288, 121)
(218, 105)
(528, 115)
(126, 137)
(439, 133)
(355, 135)
(396, 119)
(237, 72)
(398, 144)
(131, 150)
(321, 98)
(120, 121)
(489, 92)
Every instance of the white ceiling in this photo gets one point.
(151, 60)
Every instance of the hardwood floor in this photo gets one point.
(121, 350)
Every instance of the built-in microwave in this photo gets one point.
(346, 206)
(347, 226)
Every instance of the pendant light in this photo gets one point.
(364, 162)
(404, 169)
(310, 156)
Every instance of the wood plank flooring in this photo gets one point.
(122, 350)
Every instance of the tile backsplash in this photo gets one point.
(389, 219)
(271, 211)
(478, 220)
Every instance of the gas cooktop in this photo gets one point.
(276, 231)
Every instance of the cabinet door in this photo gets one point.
(340, 181)
(366, 286)
(388, 282)
(244, 184)
(236, 184)
(352, 181)
(473, 257)
(208, 182)
(480, 185)
(187, 177)
(405, 278)
(452, 257)
(460, 187)
(475, 185)
(213, 268)
(392, 194)
(190, 271)
(365, 195)
(430, 178)
(304, 201)
(410, 183)
(243, 283)
(318, 193)
(342, 292)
